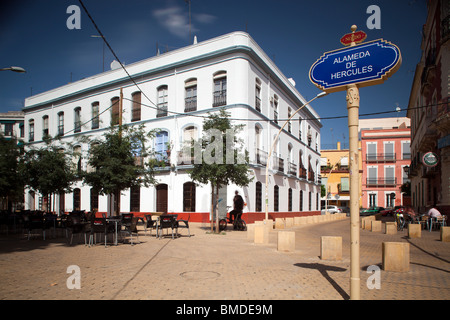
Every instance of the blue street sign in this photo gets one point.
(366, 64)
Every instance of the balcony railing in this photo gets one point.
(162, 110)
(261, 157)
(190, 104)
(185, 158)
(278, 164)
(376, 182)
(380, 157)
(220, 98)
(311, 176)
(292, 168)
(302, 173)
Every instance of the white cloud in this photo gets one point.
(176, 20)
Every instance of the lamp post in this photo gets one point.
(273, 145)
(15, 69)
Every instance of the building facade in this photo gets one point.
(385, 153)
(429, 112)
(179, 88)
(11, 125)
(336, 176)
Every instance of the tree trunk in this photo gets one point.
(217, 208)
(117, 203)
(212, 208)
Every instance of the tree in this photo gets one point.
(11, 178)
(222, 160)
(118, 162)
(49, 169)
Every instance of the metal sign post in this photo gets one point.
(349, 69)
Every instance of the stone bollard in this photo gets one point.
(279, 223)
(261, 234)
(445, 234)
(396, 256)
(251, 231)
(391, 228)
(268, 223)
(289, 222)
(376, 226)
(330, 248)
(414, 230)
(286, 241)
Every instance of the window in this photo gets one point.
(289, 123)
(161, 144)
(275, 108)
(258, 95)
(76, 199)
(190, 100)
(371, 151)
(220, 89)
(94, 200)
(389, 151)
(389, 175)
(344, 186)
(162, 105)
(95, 115)
(115, 111)
(60, 123)
(77, 158)
(310, 201)
(136, 107)
(258, 197)
(77, 119)
(189, 197)
(9, 128)
(301, 201)
(45, 131)
(372, 178)
(372, 200)
(31, 130)
(406, 150)
(276, 191)
(290, 199)
(135, 199)
(300, 129)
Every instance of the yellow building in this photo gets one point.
(336, 176)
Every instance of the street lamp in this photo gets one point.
(103, 63)
(273, 145)
(15, 69)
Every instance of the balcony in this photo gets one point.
(302, 173)
(185, 158)
(261, 157)
(278, 164)
(383, 182)
(311, 176)
(220, 98)
(292, 169)
(190, 104)
(380, 157)
(162, 110)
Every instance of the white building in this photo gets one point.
(229, 71)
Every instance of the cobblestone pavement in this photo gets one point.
(220, 267)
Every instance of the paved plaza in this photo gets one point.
(220, 267)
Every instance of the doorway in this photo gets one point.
(161, 198)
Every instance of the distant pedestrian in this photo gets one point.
(434, 213)
(238, 205)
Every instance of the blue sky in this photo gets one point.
(294, 33)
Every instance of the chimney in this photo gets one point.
(338, 145)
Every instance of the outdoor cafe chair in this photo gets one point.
(99, 225)
(167, 221)
(437, 221)
(76, 225)
(184, 224)
(35, 222)
(131, 229)
(149, 223)
(126, 219)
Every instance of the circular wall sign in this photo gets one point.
(430, 159)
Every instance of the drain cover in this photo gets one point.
(199, 275)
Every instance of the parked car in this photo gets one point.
(392, 211)
(370, 211)
(332, 209)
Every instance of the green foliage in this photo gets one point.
(49, 169)
(117, 159)
(11, 178)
